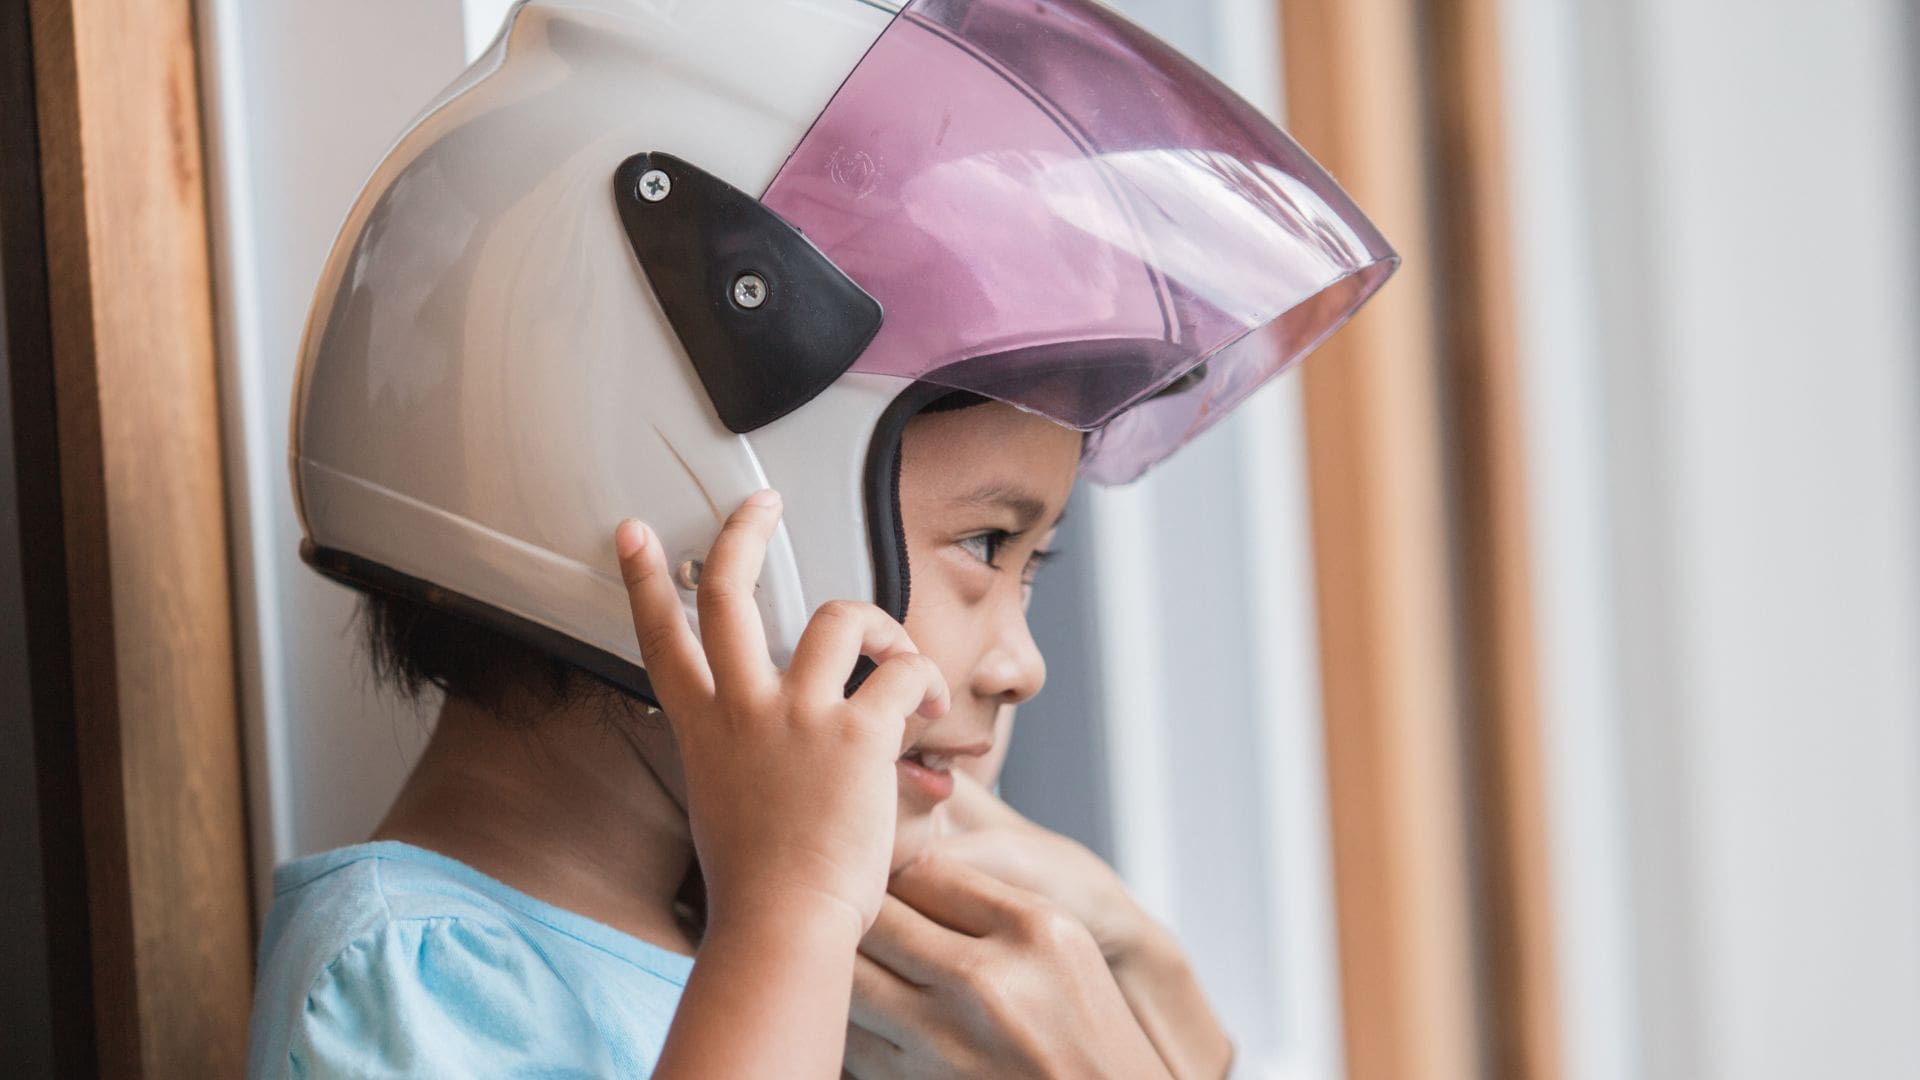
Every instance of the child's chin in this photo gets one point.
(913, 834)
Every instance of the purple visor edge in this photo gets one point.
(1057, 210)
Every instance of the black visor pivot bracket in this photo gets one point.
(766, 318)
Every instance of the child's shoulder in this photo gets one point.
(373, 947)
(366, 899)
(352, 890)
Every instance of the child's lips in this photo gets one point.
(926, 777)
(926, 772)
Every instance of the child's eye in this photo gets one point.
(986, 547)
(1034, 562)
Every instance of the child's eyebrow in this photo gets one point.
(1026, 506)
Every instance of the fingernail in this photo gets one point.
(764, 497)
(630, 538)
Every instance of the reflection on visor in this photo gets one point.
(1057, 210)
(1192, 378)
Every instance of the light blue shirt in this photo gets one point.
(385, 959)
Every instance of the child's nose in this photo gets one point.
(1013, 670)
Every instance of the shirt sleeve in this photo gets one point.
(444, 997)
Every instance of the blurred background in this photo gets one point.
(1528, 686)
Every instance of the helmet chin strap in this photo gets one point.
(886, 532)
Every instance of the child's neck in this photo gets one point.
(565, 808)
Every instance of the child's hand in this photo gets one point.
(965, 976)
(987, 834)
(791, 785)
(1147, 962)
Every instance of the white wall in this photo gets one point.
(1719, 229)
(302, 100)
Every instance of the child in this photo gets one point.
(998, 244)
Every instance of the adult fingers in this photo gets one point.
(668, 649)
(840, 632)
(905, 684)
(883, 1002)
(911, 946)
(730, 627)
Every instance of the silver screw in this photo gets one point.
(654, 185)
(749, 290)
(688, 574)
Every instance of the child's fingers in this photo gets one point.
(905, 684)
(883, 1000)
(839, 633)
(1003, 856)
(909, 945)
(959, 897)
(872, 1055)
(730, 627)
(668, 648)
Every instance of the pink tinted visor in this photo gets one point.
(1057, 210)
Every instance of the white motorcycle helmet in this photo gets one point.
(647, 257)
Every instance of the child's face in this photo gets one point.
(981, 493)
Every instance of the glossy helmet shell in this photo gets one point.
(504, 359)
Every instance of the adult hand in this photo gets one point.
(964, 975)
(1147, 963)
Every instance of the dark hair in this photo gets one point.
(413, 646)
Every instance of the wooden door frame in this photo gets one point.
(49, 946)
(1416, 463)
(1389, 687)
(1482, 397)
(154, 723)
